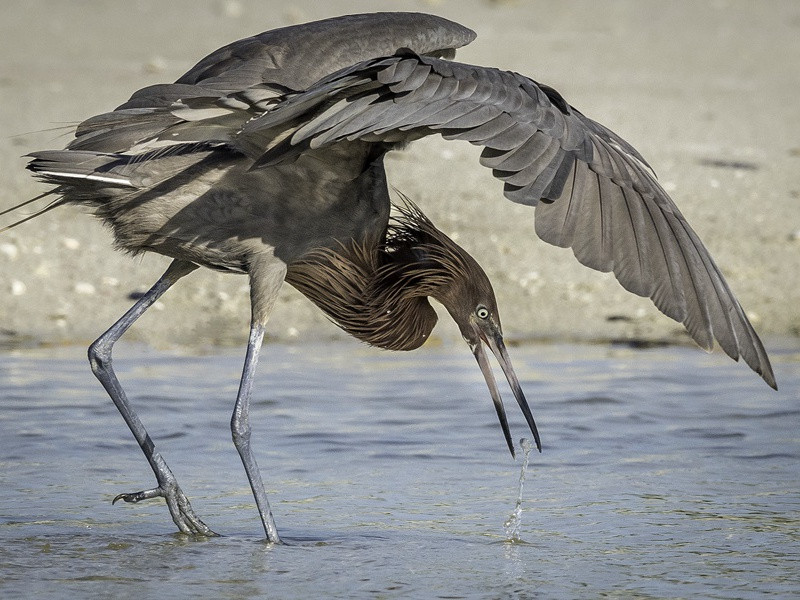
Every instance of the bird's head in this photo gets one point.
(471, 302)
(458, 282)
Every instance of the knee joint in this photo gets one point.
(99, 356)
(240, 431)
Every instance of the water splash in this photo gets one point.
(513, 524)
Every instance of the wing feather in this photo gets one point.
(592, 190)
(484, 132)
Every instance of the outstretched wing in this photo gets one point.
(593, 192)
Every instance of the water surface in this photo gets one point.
(666, 473)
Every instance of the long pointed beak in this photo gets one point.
(495, 342)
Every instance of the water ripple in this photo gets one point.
(665, 473)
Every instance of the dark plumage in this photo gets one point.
(266, 158)
(378, 291)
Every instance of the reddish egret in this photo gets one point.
(266, 158)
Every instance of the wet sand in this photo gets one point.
(706, 91)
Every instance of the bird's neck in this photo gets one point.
(378, 290)
(379, 302)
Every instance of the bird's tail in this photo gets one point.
(67, 170)
(78, 176)
(81, 168)
(80, 173)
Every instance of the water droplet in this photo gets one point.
(513, 524)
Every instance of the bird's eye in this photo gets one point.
(482, 312)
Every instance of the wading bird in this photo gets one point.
(266, 158)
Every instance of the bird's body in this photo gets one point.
(266, 158)
(211, 208)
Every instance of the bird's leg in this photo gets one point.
(240, 430)
(100, 359)
(265, 281)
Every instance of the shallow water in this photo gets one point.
(665, 473)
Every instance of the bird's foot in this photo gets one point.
(179, 507)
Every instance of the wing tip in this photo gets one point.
(764, 369)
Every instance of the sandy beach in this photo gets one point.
(707, 92)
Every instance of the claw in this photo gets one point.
(179, 507)
(135, 497)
